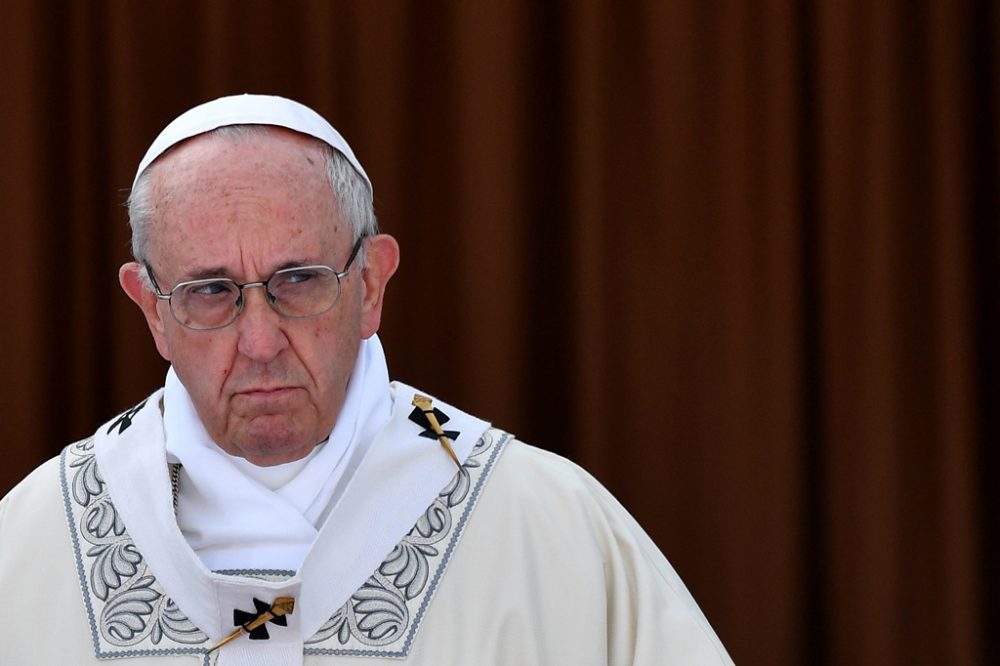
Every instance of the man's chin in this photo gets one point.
(270, 440)
(275, 455)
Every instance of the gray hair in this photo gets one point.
(350, 190)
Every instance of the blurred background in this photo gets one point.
(738, 259)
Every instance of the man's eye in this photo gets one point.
(209, 289)
(298, 277)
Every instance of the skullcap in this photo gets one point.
(249, 110)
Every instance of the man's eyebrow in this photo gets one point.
(212, 272)
(298, 263)
(204, 274)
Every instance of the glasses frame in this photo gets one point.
(269, 297)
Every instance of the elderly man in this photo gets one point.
(279, 501)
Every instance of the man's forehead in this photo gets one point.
(266, 177)
(248, 110)
(207, 157)
(210, 224)
(266, 193)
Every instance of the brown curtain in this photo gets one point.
(738, 259)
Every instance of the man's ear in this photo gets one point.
(134, 282)
(382, 259)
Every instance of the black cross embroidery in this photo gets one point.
(240, 618)
(418, 417)
(125, 420)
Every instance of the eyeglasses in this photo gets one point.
(296, 293)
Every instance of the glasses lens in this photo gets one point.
(304, 292)
(203, 304)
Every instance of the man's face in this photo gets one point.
(267, 388)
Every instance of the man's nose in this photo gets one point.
(259, 325)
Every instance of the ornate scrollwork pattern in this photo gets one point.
(127, 605)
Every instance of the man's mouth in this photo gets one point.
(269, 392)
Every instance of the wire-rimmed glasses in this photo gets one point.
(297, 293)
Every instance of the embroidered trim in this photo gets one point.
(388, 609)
(125, 605)
(175, 479)
(271, 575)
(130, 614)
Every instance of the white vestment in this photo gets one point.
(518, 558)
